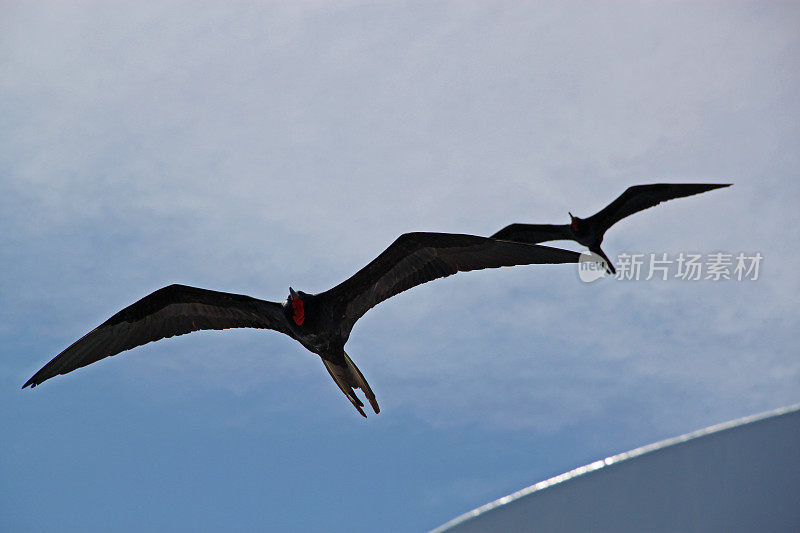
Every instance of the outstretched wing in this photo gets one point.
(533, 233)
(641, 197)
(173, 310)
(416, 258)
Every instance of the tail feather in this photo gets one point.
(609, 266)
(362, 384)
(349, 377)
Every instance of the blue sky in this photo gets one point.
(247, 147)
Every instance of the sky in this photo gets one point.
(247, 147)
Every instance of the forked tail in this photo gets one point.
(349, 377)
(609, 266)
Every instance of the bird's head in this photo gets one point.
(295, 306)
(574, 222)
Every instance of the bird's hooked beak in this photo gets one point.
(293, 294)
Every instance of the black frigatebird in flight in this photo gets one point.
(590, 231)
(320, 322)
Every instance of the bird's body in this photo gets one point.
(590, 231)
(320, 322)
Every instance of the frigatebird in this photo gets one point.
(320, 322)
(590, 231)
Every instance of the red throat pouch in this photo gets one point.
(299, 312)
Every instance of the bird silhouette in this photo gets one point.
(320, 322)
(590, 231)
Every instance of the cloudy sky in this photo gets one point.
(248, 146)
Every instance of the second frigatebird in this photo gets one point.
(320, 322)
(590, 231)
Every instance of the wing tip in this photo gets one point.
(700, 188)
(31, 383)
